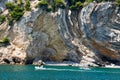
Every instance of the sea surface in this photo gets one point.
(28, 72)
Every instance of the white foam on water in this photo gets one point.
(80, 70)
(42, 68)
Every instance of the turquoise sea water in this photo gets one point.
(17, 72)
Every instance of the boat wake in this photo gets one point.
(81, 69)
(42, 68)
(85, 68)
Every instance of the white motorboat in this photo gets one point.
(40, 67)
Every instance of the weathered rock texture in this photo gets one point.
(100, 25)
(35, 36)
(90, 36)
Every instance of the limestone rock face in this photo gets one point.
(34, 36)
(94, 33)
(90, 36)
(100, 25)
(73, 56)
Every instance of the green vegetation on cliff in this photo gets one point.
(117, 2)
(75, 4)
(27, 5)
(10, 6)
(52, 5)
(60, 3)
(43, 4)
(16, 10)
(2, 19)
(4, 40)
(20, 2)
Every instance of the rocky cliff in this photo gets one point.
(90, 36)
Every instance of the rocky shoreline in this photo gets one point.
(68, 63)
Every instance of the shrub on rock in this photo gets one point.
(27, 6)
(2, 19)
